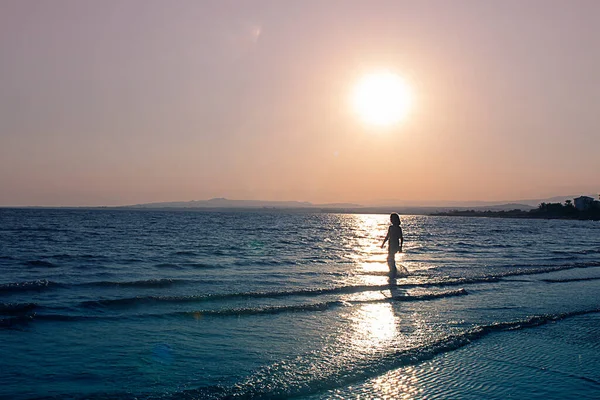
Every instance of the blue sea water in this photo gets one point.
(126, 304)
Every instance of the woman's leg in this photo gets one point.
(391, 261)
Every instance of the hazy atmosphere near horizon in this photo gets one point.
(124, 102)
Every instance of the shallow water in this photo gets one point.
(554, 361)
(146, 304)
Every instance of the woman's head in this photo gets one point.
(395, 219)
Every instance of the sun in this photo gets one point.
(381, 98)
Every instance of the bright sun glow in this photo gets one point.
(381, 98)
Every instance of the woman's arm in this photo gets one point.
(386, 237)
(401, 240)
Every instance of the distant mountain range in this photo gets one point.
(227, 203)
(379, 207)
(382, 206)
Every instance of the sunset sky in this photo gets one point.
(123, 102)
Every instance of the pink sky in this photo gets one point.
(121, 102)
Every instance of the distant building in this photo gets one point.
(583, 203)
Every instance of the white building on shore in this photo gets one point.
(583, 203)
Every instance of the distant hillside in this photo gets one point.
(227, 204)
(220, 202)
(425, 208)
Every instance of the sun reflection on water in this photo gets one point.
(375, 326)
(401, 384)
(376, 329)
(366, 252)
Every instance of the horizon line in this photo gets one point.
(309, 204)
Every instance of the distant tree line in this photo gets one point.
(566, 210)
(544, 210)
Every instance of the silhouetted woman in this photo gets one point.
(396, 240)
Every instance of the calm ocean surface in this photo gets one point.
(107, 304)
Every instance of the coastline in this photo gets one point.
(534, 214)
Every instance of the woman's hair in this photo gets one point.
(395, 218)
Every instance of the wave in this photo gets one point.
(16, 308)
(323, 306)
(39, 285)
(15, 322)
(132, 260)
(299, 377)
(424, 296)
(522, 271)
(268, 310)
(185, 253)
(196, 314)
(36, 229)
(40, 263)
(199, 265)
(71, 318)
(262, 310)
(127, 301)
(24, 319)
(195, 265)
(373, 273)
(65, 256)
(584, 251)
(594, 278)
(590, 251)
(264, 263)
(44, 284)
(526, 271)
(455, 281)
(313, 292)
(148, 283)
(168, 266)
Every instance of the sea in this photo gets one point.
(272, 304)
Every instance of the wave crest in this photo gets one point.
(149, 283)
(39, 285)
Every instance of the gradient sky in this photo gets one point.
(122, 102)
